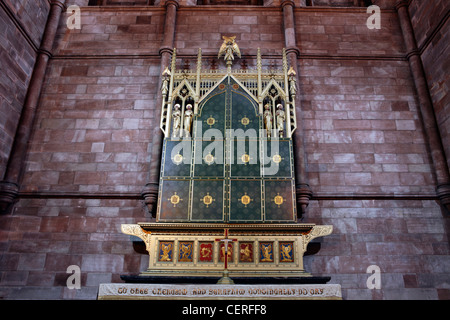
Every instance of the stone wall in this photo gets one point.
(430, 23)
(22, 24)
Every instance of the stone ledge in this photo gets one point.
(139, 291)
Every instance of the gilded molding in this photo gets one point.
(234, 226)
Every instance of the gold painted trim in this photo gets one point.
(236, 226)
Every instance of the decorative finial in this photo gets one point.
(166, 72)
(229, 48)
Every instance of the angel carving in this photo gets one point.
(165, 255)
(186, 250)
(286, 253)
(229, 48)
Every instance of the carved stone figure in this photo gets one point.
(188, 114)
(229, 48)
(176, 121)
(268, 119)
(281, 117)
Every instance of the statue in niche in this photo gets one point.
(176, 121)
(188, 114)
(268, 119)
(280, 120)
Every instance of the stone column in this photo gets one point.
(303, 190)
(10, 185)
(426, 106)
(150, 191)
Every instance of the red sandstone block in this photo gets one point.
(364, 158)
(123, 19)
(383, 124)
(125, 157)
(391, 178)
(405, 137)
(44, 178)
(135, 70)
(98, 212)
(337, 137)
(386, 158)
(93, 28)
(57, 124)
(412, 179)
(31, 261)
(98, 147)
(87, 123)
(395, 168)
(60, 262)
(344, 158)
(202, 19)
(348, 72)
(74, 71)
(332, 179)
(97, 136)
(65, 157)
(26, 224)
(426, 168)
(103, 71)
(112, 89)
(14, 278)
(351, 124)
(422, 225)
(124, 136)
(9, 261)
(89, 178)
(368, 136)
(54, 224)
(43, 279)
(405, 124)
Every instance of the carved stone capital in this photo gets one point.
(288, 3)
(293, 50)
(60, 3)
(164, 50)
(304, 195)
(150, 195)
(401, 4)
(414, 52)
(443, 193)
(172, 2)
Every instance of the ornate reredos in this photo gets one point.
(191, 86)
(246, 173)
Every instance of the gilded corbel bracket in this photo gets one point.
(136, 230)
(316, 231)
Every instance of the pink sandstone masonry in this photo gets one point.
(368, 161)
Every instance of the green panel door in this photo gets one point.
(227, 172)
(245, 201)
(207, 201)
(177, 158)
(174, 200)
(279, 200)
